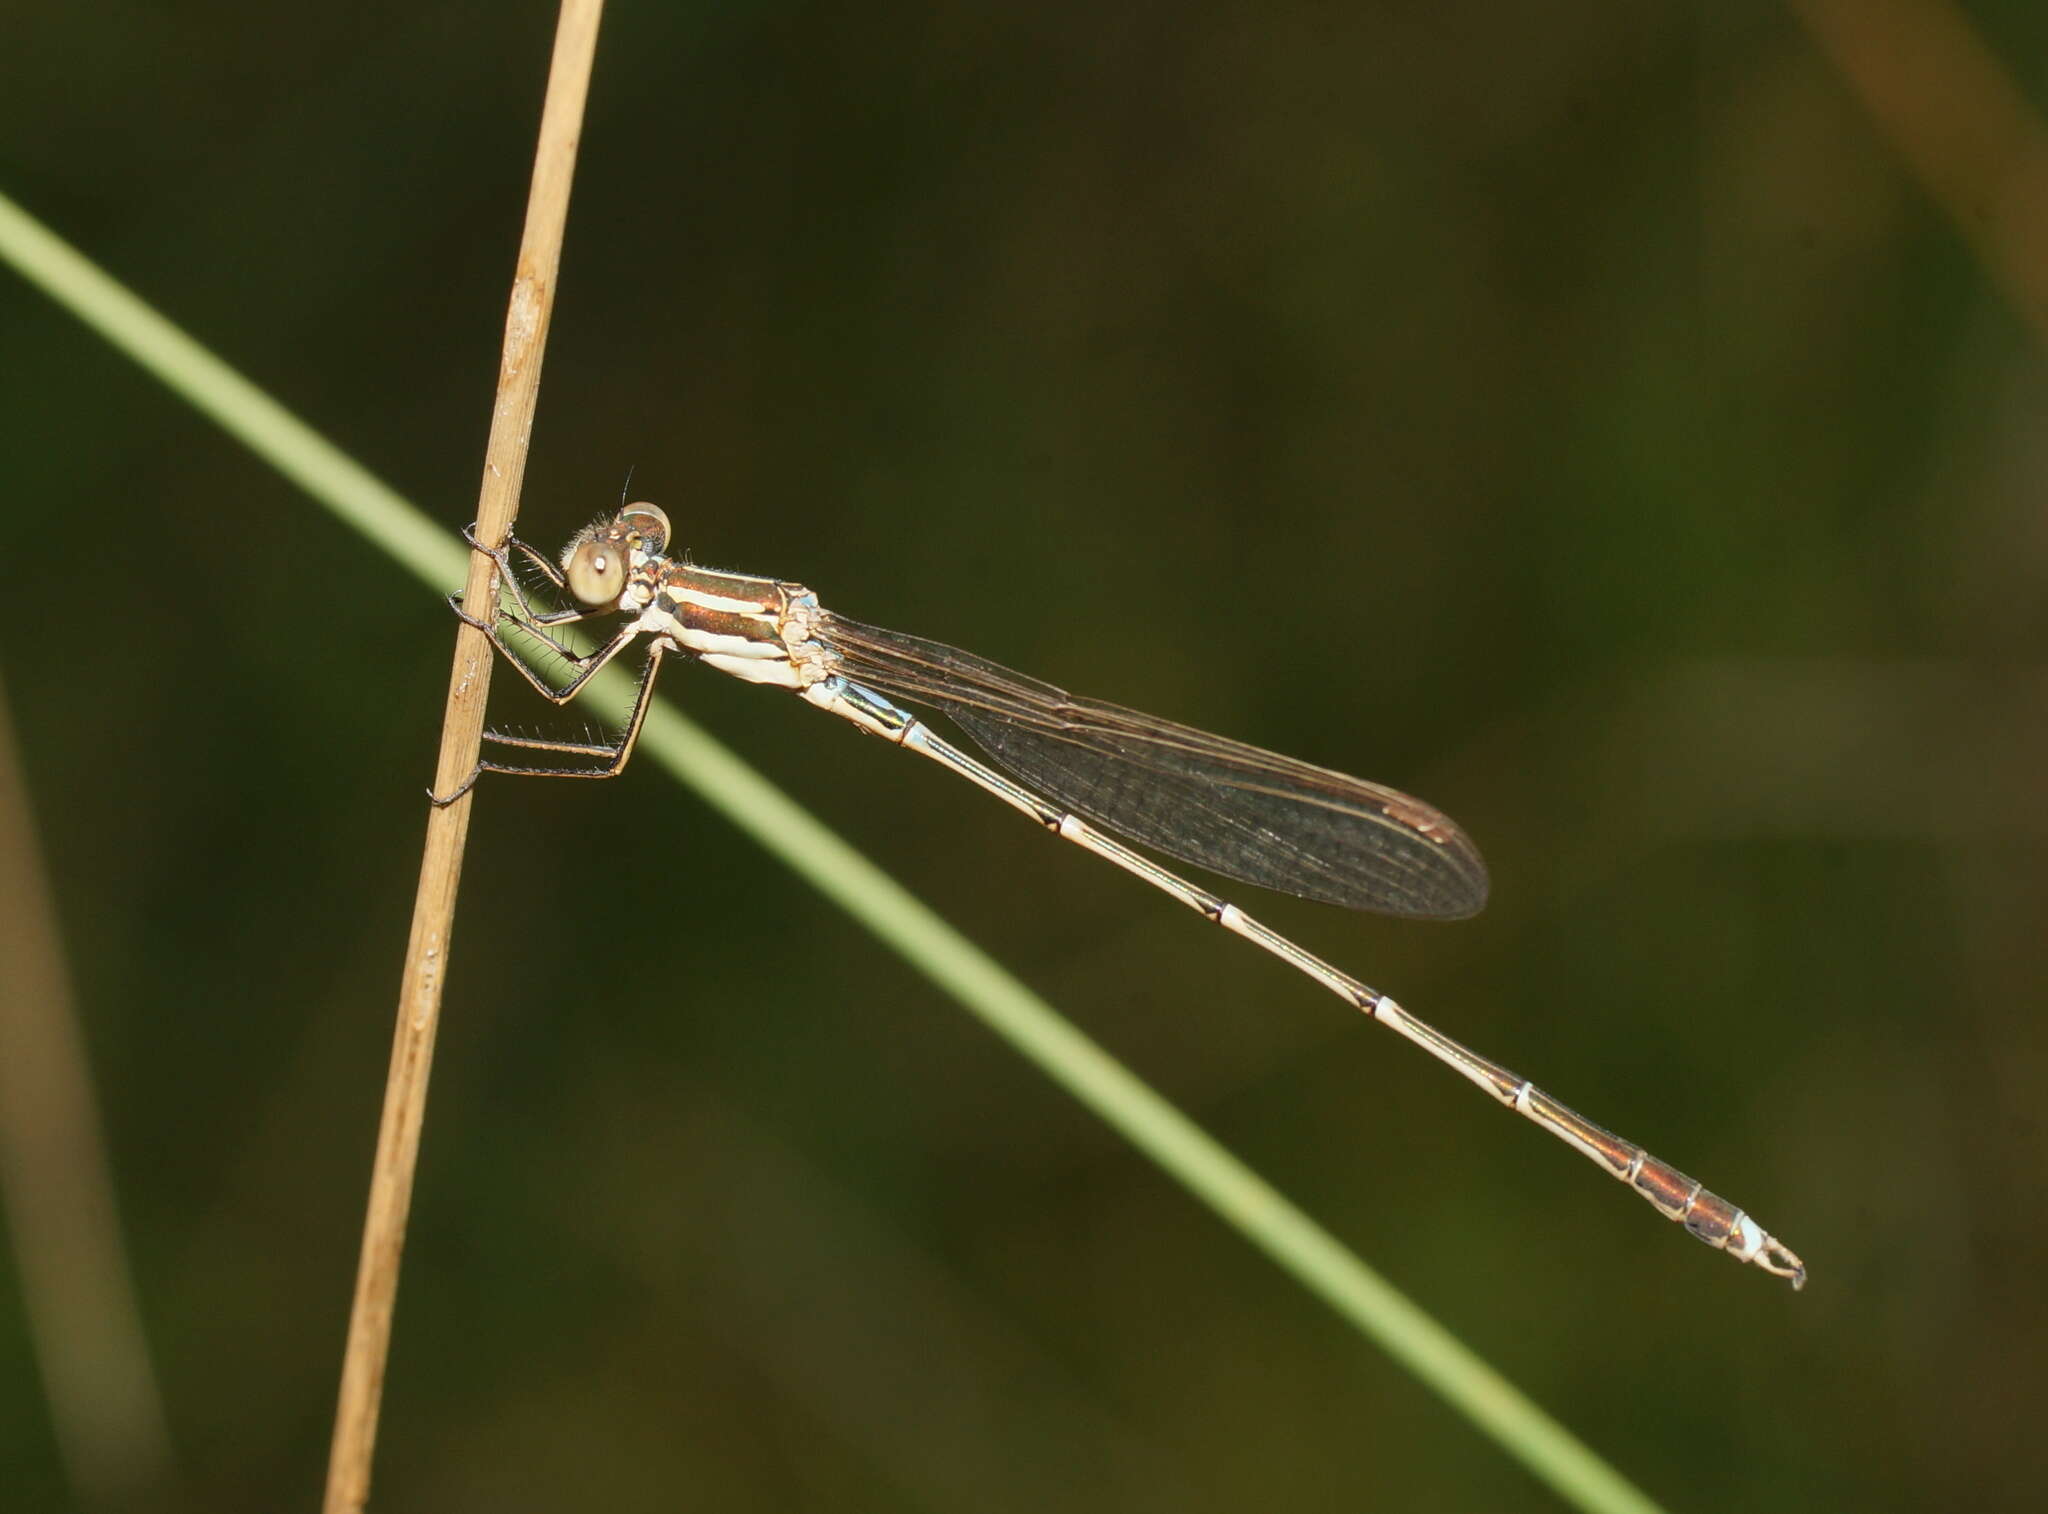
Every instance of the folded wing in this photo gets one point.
(1235, 809)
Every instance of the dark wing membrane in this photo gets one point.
(1234, 809)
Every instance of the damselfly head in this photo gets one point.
(598, 557)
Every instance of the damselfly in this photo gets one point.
(1081, 769)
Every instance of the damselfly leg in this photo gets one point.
(508, 576)
(583, 667)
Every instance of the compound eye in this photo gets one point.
(596, 571)
(649, 523)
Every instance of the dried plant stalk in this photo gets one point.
(426, 961)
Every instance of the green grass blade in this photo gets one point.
(1266, 1218)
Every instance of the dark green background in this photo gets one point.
(1572, 413)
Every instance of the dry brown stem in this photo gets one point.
(426, 961)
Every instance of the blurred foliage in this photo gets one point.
(1574, 414)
